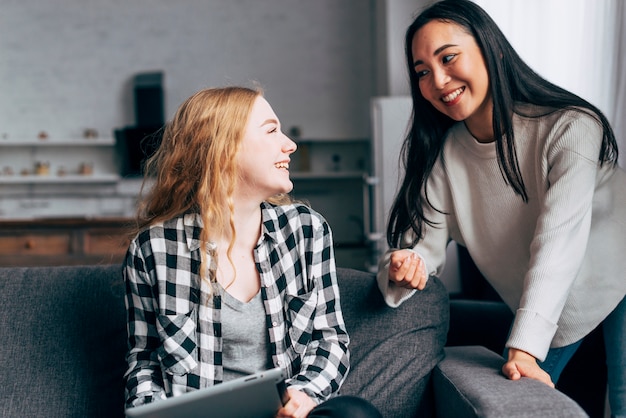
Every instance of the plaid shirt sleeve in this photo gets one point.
(162, 300)
(315, 337)
(144, 382)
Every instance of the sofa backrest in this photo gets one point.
(62, 342)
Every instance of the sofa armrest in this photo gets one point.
(468, 383)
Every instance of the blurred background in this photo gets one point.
(84, 82)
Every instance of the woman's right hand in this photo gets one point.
(298, 406)
(407, 269)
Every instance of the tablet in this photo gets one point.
(258, 395)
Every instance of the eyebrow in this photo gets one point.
(269, 121)
(437, 52)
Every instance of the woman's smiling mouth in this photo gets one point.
(450, 98)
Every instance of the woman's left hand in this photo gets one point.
(298, 406)
(522, 364)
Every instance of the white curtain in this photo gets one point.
(618, 118)
(577, 44)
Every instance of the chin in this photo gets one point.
(283, 190)
(456, 116)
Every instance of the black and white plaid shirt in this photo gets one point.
(174, 328)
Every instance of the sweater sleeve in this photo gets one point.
(432, 247)
(393, 295)
(570, 162)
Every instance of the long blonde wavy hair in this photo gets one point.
(194, 168)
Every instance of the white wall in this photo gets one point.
(393, 19)
(67, 65)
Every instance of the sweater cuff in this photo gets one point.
(394, 295)
(531, 333)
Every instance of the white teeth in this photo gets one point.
(452, 95)
(282, 165)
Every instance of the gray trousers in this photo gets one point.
(397, 351)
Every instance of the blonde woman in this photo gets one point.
(226, 276)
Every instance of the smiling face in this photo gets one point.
(452, 75)
(263, 157)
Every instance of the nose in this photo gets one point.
(440, 78)
(289, 146)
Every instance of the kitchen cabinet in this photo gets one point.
(52, 242)
(330, 176)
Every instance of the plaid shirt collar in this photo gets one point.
(192, 224)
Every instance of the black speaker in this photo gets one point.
(149, 109)
(134, 146)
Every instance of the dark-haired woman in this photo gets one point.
(522, 173)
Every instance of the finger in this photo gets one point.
(412, 275)
(411, 269)
(417, 276)
(289, 409)
(422, 275)
(509, 369)
(397, 259)
(399, 272)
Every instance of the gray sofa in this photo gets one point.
(62, 333)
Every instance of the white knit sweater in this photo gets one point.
(558, 261)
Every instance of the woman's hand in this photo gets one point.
(406, 269)
(298, 406)
(521, 364)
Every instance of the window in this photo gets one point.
(579, 45)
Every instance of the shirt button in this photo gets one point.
(275, 324)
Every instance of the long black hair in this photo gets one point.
(511, 81)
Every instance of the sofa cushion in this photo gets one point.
(63, 342)
(393, 350)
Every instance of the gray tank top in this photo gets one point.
(244, 335)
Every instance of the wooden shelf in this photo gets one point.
(53, 179)
(57, 142)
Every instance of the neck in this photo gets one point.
(247, 220)
(236, 270)
(480, 124)
(480, 133)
